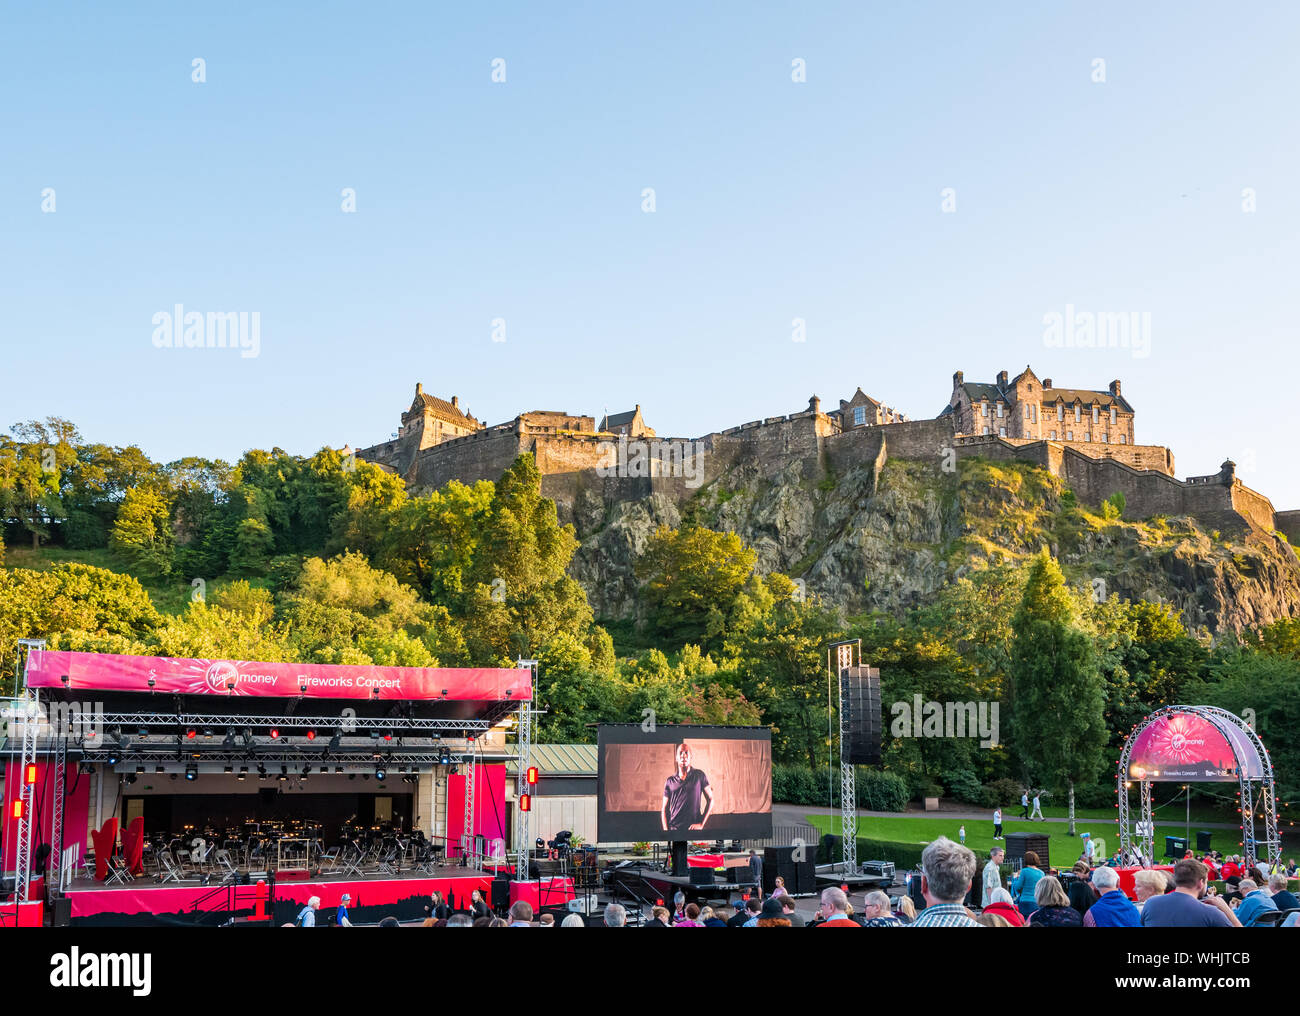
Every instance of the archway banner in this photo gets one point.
(1180, 746)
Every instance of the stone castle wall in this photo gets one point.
(569, 462)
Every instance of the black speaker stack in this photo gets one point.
(860, 704)
(800, 876)
(1018, 844)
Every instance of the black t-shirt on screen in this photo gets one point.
(685, 799)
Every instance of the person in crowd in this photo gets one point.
(658, 917)
(1038, 810)
(1089, 849)
(772, 915)
(1112, 908)
(477, 905)
(307, 915)
(1254, 901)
(1188, 906)
(876, 912)
(1001, 904)
(787, 907)
(1230, 870)
(753, 906)
(1146, 884)
(947, 870)
(465, 921)
(997, 822)
(1053, 910)
(438, 908)
(1024, 804)
(341, 918)
(615, 915)
(988, 919)
(691, 918)
(992, 878)
(483, 922)
(679, 906)
(1024, 884)
(1213, 871)
(389, 922)
(1082, 896)
(1283, 898)
(961, 834)
(546, 921)
(573, 921)
(756, 869)
(906, 910)
(834, 910)
(1291, 868)
(521, 914)
(711, 919)
(779, 886)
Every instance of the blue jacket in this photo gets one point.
(1253, 905)
(1024, 884)
(1115, 910)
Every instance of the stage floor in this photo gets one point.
(405, 896)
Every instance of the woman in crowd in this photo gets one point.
(772, 914)
(690, 917)
(906, 910)
(780, 887)
(477, 906)
(1148, 883)
(1001, 903)
(1082, 894)
(1054, 910)
(1024, 884)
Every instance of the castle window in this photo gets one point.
(1123, 439)
(1053, 435)
(1001, 406)
(1087, 437)
(1069, 435)
(1105, 438)
(859, 415)
(986, 430)
(984, 410)
(1002, 432)
(1095, 411)
(1060, 411)
(1113, 412)
(1078, 412)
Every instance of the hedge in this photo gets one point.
(876, 790)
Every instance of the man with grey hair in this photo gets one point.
(460, 921)
(1111, 909)
(1283, 898)
(877, 913)
(1254, 901)
(834, 910)
(615, 916)
(947, 870)
(992, 876)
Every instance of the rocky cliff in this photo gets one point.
(886, 536)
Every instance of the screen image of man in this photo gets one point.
(688, 798)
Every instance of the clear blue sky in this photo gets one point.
(522, 200)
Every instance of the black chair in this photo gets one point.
(1272, 918)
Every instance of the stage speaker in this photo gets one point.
(1018, 844)
(501, 894)
(777, 855)
(702, 876)
(1203, 841)
(62, 911)
(860, 708)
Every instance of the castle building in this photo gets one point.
(630, 424)
(432, 420)
(863, 411)
(1025, 407)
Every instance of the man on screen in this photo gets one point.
(688, 798)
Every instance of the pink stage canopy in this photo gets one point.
(107, 672)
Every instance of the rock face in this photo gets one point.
(888, 537)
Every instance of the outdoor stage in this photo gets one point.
(144, 903)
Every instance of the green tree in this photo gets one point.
(142, 532)
(693, 578)
(1057, 692)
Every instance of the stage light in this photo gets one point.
(229, 743)
(64, 679)
(374, 693)
(337, 770)
(191, 773)
(388, 735)
(114, 758)
(311, 735)
(130, 779)
(18, 809)
(306, 771)
(532, 776)
(243, 772)
(159, 769)
(228, 769)
(139, 770)
(302, 687)
(335, 741)
(525, 802)
(191, 733)
(284, 771)
(143, 732)
(275, 733)
(30, 775)
(152, 682)
(380, 773)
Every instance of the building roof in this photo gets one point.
(561, 760)
(619, 419)
(1086, 396)
(443, 408)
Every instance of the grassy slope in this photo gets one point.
(170, 595)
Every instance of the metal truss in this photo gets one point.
(524, 749)
(1267, 792)
(27, 795)
(60, 794)
(468, 841)
(165, 755)
(843, 654)
(157, 718)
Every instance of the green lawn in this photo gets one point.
(1064, 849)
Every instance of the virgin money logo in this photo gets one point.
(220, 675)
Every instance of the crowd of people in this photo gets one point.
(1088, 896)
